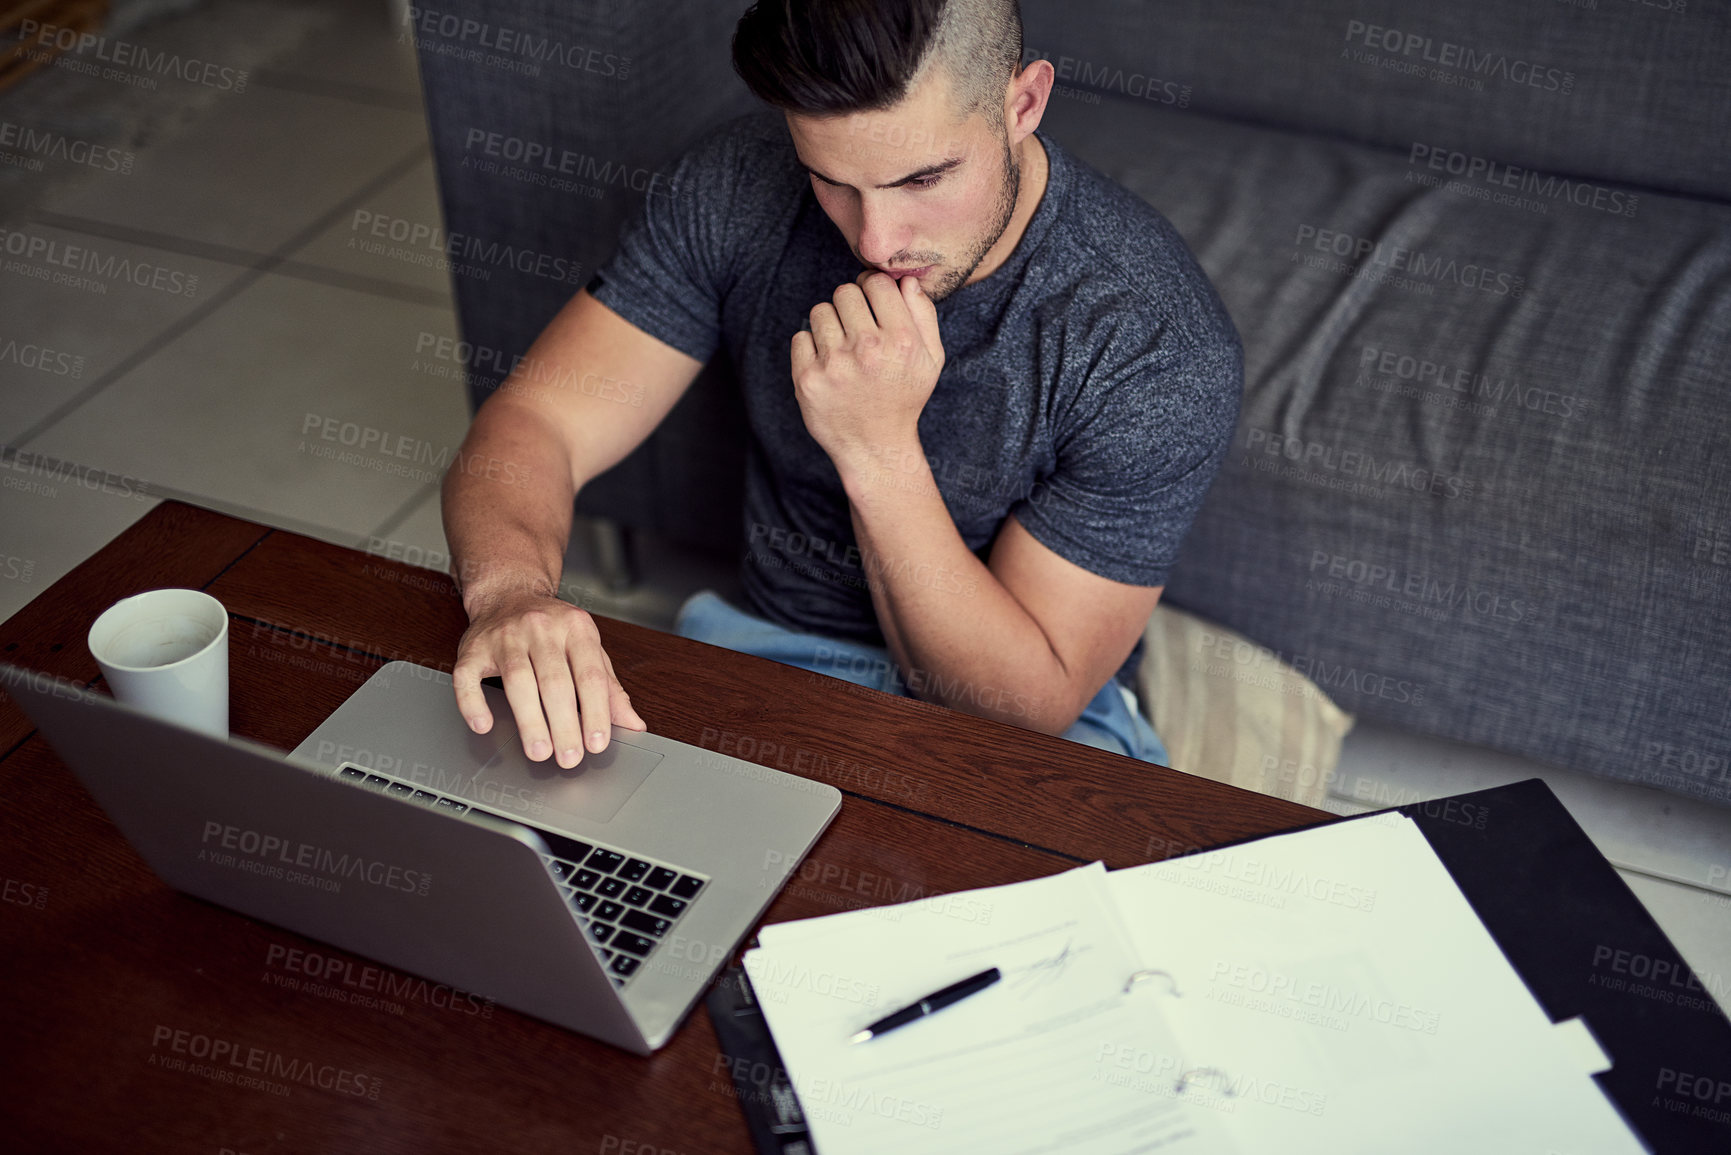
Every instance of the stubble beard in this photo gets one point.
(1002, 211)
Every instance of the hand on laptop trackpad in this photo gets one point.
(594, 789)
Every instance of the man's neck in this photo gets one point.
(1035, 168)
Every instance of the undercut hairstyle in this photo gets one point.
(830, 57)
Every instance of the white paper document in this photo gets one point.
(1342, 979)
(1028, 1065)
(1324, 991)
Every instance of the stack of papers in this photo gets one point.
(1328, 990)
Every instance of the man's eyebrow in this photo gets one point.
(941, 166)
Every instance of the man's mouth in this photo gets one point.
(907, 272)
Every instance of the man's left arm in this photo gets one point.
(1029, 638)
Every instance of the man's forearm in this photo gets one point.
(506, 504)
(960, 637)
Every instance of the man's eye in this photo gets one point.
(926, 182)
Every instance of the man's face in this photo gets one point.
(912, 187)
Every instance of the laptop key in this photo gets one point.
(586, 879)
(561, 870)
(353, 772)
(638, 896)
(584, 901)
(600, 932)
(635, 943)
(633, 870)
(669, 907)
(609, 911)
(624, 965)
(567, 848)
(400, 789)
(660, 878)
(611, 887)
(424, 798)
(606, 861)
(375, 781)
(452, 805)
(645, 923)
(687, 887)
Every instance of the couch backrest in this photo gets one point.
(549, 119)
(1633, 91)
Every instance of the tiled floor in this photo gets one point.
(216, 392)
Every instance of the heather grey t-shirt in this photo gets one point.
(1090, 385)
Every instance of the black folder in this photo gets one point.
(1568, 924)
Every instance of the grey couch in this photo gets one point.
(1480, 256)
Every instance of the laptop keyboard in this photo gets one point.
(627, 903)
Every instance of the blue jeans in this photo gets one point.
(1111, 721)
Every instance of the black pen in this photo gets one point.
(936, 1001)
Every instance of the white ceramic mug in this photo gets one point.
(166, 652)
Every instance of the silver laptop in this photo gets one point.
(602, 898)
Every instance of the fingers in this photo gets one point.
(907, 316)
(623, 712)
(466, 678)
(856, 315)
(558, 700)
(558, 680)
(925, 314)
(826, 329)
(524, 693)
(803, 354)
(594, 696)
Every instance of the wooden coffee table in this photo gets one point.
(109, 972)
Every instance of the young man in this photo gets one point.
(987, 390)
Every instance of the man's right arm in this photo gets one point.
(568, 412)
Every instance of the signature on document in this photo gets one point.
(1044, 972)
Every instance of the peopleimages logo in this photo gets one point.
(58, 146)
(1419, 50)
(127, 55)
(1139, 85)
(544, 160)
(274, 852)
(1360, 465)
(1388, 368)
(1522, 180)
(1366, 252)
(527, 46)
(372, 230)
(85, 259)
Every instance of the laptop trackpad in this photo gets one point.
(594, 789)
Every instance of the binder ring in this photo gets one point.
(1197, 1074)
(1139, 976)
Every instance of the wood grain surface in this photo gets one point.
(108, 970)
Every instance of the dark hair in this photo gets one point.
(826, 57)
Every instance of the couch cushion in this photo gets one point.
(1621, 90)
(1481, 485)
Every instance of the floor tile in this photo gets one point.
(61, 341)
(55, 515)
(295, 405)
(363, 53)
(395, 234)
(250, 174)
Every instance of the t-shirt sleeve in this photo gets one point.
(1140, 451)
(676, 258)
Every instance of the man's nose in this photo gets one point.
(881, 235)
